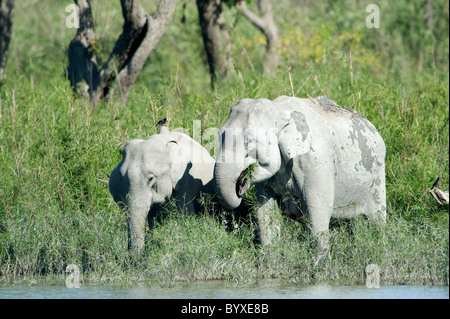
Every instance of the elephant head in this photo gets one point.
(254, 141)
(149, 172)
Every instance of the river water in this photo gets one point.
(225, 290)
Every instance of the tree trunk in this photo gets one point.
(266, 24)
(82, 71)
(6, 12)
(141, 33)
(215, 38)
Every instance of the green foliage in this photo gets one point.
(249, 172)
(57, 152)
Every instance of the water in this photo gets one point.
(225, 290)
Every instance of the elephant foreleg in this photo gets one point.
(318, 203)
(268, 217)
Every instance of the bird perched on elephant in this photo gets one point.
(165, 164)
(323, 160)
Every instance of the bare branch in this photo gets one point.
(253, 18)
(155, 27)
(132, 36)
(140, 34)
(266, 25)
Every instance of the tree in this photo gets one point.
(6, 13)
(216, 38)
(141, 33)
(266, 24)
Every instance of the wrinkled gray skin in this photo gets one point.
(321, 159)
(151, 170)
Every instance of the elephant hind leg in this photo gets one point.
(376, 208)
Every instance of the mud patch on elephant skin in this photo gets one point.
(356, 117)
(376, 197)
(330, 105)
(358, 135)
(301, 124)
(376, 194)
(325, 102)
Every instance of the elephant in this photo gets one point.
(322, 160)
(168, 164)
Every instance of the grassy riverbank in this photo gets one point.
(56, 152)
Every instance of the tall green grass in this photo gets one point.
(56, 152)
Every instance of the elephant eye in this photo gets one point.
(150, 180)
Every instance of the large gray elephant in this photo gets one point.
(321, 159)
(151, 170)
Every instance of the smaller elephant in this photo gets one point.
(151, 170)
(323, 160)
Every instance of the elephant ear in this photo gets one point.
(179, 163)
(294, 138)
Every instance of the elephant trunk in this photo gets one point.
(230, 184)
(136, 222)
